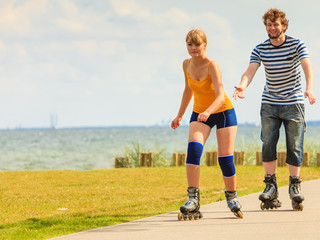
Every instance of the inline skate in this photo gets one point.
(233, 203)
(191, 209)
(269, 197)
(295, 193)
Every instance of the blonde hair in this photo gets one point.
(196, 36)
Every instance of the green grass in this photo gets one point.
(30, 201)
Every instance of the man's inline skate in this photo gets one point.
(269, 197)
(191, 209)
(233, 203)
(295, 193)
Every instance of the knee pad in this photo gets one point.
(194, 153)
(227, 166)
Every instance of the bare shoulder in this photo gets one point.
(185, 64)
(213, 67)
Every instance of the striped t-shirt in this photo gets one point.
(282, 69)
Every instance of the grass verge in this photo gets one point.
(44, 204)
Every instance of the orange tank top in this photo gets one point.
(204, 93)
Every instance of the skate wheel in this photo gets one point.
(185, 218)
(180, 216)
(300, 207)
(239, 214)
(190, 218)
(262, 206)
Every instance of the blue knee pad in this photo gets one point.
(194, 153)
(227, 166)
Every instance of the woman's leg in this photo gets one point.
(226, 138)
(198, 133)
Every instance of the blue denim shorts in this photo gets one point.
(224, 119)
(292, 117)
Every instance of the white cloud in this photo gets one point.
(171, 18)
(71, 25)
(129, 7)
(20, 50)
(86, 47)
(2, 46)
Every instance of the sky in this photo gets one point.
(87, 63)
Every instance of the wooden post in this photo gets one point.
(120, 162)
(146, 159)
(259, 158)
(278, 159)
(235, 157)
(214, 158)
(149, 159)
(242, 158)
(142, 159)
(305, 160)
(175, 159)
(208, 158)
(182, 157)
(281, 157)
(318, 159)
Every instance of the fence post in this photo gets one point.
(305, 161)
(318, 159)
(149, 159)
(259, 158)
(214, 158)
(182, 157)
(239, 157)
(146, 159)
(120, 162)
(175, 159)
(236, 157)
(242, 158)
(281, 159)
(208, 158)
(142, 159)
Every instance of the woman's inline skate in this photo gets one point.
(269, 197)
(295, 193)
(191, 209)
(233, 203)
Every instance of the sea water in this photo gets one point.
(96, 148)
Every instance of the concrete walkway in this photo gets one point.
(219, 223)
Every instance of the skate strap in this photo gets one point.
(231, 195)
(193, 194)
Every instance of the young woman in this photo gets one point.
(212, 107)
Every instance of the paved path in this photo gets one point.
(219, 223)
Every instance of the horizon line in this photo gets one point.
(311, 123)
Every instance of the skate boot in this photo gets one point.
(269, 197)
(233, 203)
(191, 208)
(295, 193)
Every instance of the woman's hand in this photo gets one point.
(176, 122)
(203, 117)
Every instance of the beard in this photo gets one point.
(275, 36)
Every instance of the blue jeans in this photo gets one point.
(292, 117)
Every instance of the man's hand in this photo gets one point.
(238, 92)
(310, 95)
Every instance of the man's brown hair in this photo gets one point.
(273, 14)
